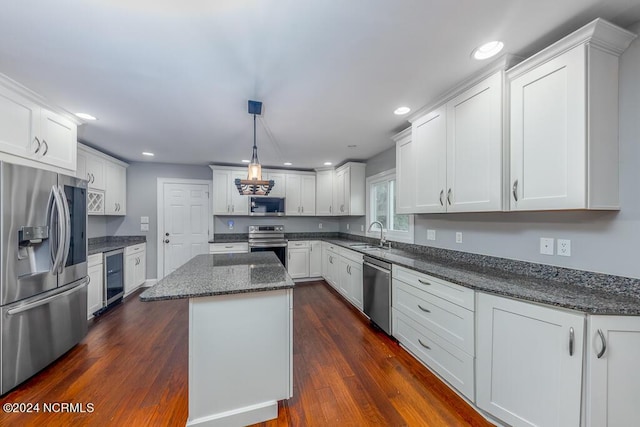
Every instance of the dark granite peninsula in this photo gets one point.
(240, 329)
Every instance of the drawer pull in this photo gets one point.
(229, 247)
(423, 344)
(424, 282)
(423, 309)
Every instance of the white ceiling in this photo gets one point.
(174, 77)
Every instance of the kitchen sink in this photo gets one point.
(366, 246)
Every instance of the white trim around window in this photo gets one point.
(379, 180)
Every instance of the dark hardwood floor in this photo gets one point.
(132, 367)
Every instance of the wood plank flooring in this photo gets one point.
(132, 367)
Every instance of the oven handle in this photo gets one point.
(268, 245)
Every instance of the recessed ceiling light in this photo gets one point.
(287, 163)
(327, 163)
(487, 50)
(85, 116)
(246, 161)
(147, 153)
(400, 111)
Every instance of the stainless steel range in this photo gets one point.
(268, 238)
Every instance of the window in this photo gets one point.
(381, 206)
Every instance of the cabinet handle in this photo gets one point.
(229, 247)
(39, 145)
(449, 197)
(349, 269)
(341, 208)
(233, 208)
(515, 190)
(441, 195)
(423, 344)
(330, 260)
(604, 344)
(329, 208)
(46, 148)
(571, 339)
(423, 309)
(289, 255)
(424, 282)
(302, 209)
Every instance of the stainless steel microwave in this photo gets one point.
(266, 206)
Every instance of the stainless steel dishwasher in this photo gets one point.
(376, 292)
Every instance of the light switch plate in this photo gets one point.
(546, 245)
(431, 234)
(347, 226)
(144, 227)
(144, 220)
(320, 225)
(458, 237)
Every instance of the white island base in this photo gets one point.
(240, 357)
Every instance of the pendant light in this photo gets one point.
(254, 185)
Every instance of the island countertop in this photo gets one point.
(222, 274)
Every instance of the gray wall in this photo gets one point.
(380, 162)
(97, 226)
(142, 182)
(291, 224)
(606, 242)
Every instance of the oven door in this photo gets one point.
(74, 191)
(279, 249)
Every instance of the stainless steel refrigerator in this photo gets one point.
(43, 269)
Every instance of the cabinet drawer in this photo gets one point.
(301, 244)
(228, 248)
(451, 322)
(134, 249)
(456, 294)
(447, 360)
(93, 260)
(351, 255)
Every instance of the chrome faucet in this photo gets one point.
(382, 239)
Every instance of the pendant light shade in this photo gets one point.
(254, 184)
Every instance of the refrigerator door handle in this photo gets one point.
(67, 229)
(61, 224)
(38, 303)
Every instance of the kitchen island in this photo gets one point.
(240, 335)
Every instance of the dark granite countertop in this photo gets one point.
(111, 243)
(222, 274)
(574, 295)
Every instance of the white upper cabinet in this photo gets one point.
(349, 189)
(474, 148)
(454, 161)
(115, 194)
(300, 194)
(226, 198)
(564, 122)
(429, 140)
(33, 133)
(324, 192)
(405, 172)
(107, 181)
(279, 184)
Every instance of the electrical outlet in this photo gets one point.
(362, 228)
(320, 225)
(458, 237)
(144, 227)
(431, 234)
(144, 220)
(347, 226)
(546, 245)
(564, 247)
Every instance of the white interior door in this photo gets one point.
(186, 223)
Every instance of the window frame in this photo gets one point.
(393, 235)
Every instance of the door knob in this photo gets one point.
(166, 241)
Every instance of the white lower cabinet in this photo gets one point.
(95, 287)
(315, 258)
(134, 267)
(298, 259)
(529, 362)
(613, 377)
(434, 320)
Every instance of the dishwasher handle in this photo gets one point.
(377, 267)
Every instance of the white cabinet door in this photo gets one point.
(279, 183)
(221, 192)
(333, 276)
(95, 289)
(141, 269)
(115, 194)
(81, 165)
(59, 138)
(308, 195)
(325, 261)
(130, 273)
(429, 141)
(293, 201)
(343, 280)
(548, 126)
(354, 271)
(324, 193)
(613, 377)
(405, 176)
(298, 262)
(529, 362)
(95, 171)
(239, 203)
(340, 201)
(18, 125)
(474, 148)
(315, 259)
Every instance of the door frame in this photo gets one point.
(160, 212)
